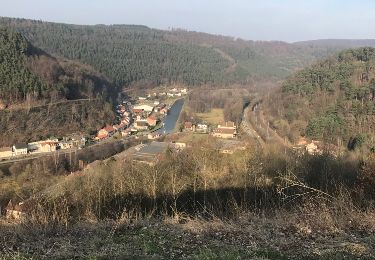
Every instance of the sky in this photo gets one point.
(284, 20)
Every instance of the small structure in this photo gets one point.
(141, 124)
(142, 108)
(228, 131)
(6, 152)
(188, 126)
(105, 132)
(203, 128)
(20, 149)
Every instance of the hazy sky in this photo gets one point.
(287, 20)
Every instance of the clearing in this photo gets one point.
(214, 117)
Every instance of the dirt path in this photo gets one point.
(232, 62)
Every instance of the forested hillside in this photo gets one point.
(28, 73)
(128, 53)
(124, 53)
(333, 99)
(32, 82)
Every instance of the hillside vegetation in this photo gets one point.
(197, 202)
(331, 99)
(38, 93)
(130, 53)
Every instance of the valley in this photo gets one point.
(124, 141)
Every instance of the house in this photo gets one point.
(45, 146)
(189, 126)
(183, 91)
(48, 145)
(6, 152)
(105, 132)
(156, 102)
(170, 94)
(202, 128)
(228, 130)
(141, 124)
(142, 108)
(64, 145)
(142, 98)
(137, 111)
(20, 149)
(152, 121)
(164, 111)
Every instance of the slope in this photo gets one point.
(331, 100)
(132, 53)
(31, 82)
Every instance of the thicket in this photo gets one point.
(200, 181)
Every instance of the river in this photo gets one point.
(171, 119)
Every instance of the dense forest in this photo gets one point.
(128, 53)
(28, 73)
(331, 100)
(43, 96)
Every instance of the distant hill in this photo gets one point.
(32, 82)
(333, 99)
(129, 54)
(340, 43)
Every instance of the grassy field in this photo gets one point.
(214, 117)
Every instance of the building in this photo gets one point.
(152, 121)
(188, 126)
(45, 146)
(64, 145)
(142, 108)
(6, 152)
(105, 132)
(164, 111)
(203, 128)
(227, 131)
(20, 149)
(141, 124)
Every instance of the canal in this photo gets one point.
(171, 119)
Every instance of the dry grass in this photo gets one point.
(310, 232)
(214, 117)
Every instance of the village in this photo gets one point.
(135, 116)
